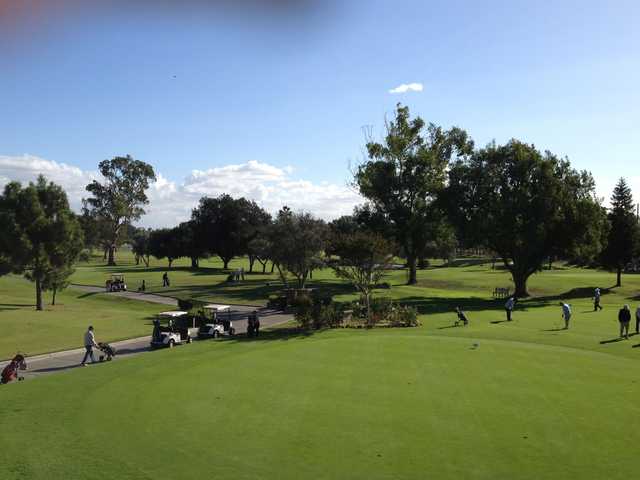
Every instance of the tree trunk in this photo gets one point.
(411, 263)
(194, 262)
(252, 260)
(619, 276)
(520, 281)
(146, 260)
(53, 299)
(264, 267)
(112, 256)
(225, 262)
(105, 252)
(170, 261)
(273, 266)
(39, 304)
(137, 259)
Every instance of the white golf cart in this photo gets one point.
(116, 283)
(176, 332)
(216, 321)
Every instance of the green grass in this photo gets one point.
(342, 404)
(531, 401)
(62, 326)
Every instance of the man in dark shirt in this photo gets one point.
(624, 317)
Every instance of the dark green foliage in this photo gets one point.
(297, 242)
(225, 226)
(40, 236)
(120, 199)
(623, 239)
(522, 204)
(404, 175)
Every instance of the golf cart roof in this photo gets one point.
(173, 314)
(117, 274)
(217, 308)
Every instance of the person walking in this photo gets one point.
(566, 314)
(462, 317)
(509, 307)
(638, 320)
(242, 273)
(143, 286)
(624, 317)
(89, 344)
(165, 279)
(256, 323)
(596, 300)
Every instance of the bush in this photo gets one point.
(403, 316)
(185, 305)
(85, 256)
(303, 311)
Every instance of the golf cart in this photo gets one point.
(215, 320)
(180, 329)
(116, 283)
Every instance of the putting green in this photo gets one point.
(340, 404)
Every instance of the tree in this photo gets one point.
(521, 204)
(623, 238)
(226, 225)
(40, 235)
(297, 241)
(57, 279)
(190, 245)
(165, 243)
(363, 258)
(120, 199)
(404, 175)
(140, 245)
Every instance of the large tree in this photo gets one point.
(40, 236)
(166, 243)
(623, 238)
(297, 243)
(521, 204)
(120, 198)
(404, 174)
(226, 225)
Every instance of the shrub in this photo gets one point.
(184, 304)
(403, 316)
(303, 311)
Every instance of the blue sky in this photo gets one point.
(290, 88)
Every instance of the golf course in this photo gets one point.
(518, 400)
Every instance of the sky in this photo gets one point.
(270, 99)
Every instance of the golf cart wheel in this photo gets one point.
(215, 334)
(232, 331)
(189, 340)
(171, 343)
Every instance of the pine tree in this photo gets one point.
(622, 242)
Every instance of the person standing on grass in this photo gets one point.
(624, 317)
(566, 314)
(509, 307)
(638, 320)
(89, 344)
(596, 300)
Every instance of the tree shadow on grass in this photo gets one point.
(613, 340)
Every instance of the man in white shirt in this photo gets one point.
(89, 343)
(566, 314)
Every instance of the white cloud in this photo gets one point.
(172, 202)
(407, 87)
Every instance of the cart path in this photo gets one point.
(69, 359)
(144, 297)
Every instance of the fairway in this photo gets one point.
(341, 404)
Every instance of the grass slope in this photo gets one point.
(342, 404)
(61, 327)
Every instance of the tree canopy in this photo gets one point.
(40, 236)
(120, 198)
(404, 175)
(522, 204)
(624, 235)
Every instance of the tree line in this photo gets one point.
(427, 191)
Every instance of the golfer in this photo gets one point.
(566, 314)
(638, 320)
(624, 317)
(509, 307)
(256, 323)
(89, 343)
(596, 300)
(462, 317)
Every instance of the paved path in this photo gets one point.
(69, 359)
(145, 297)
